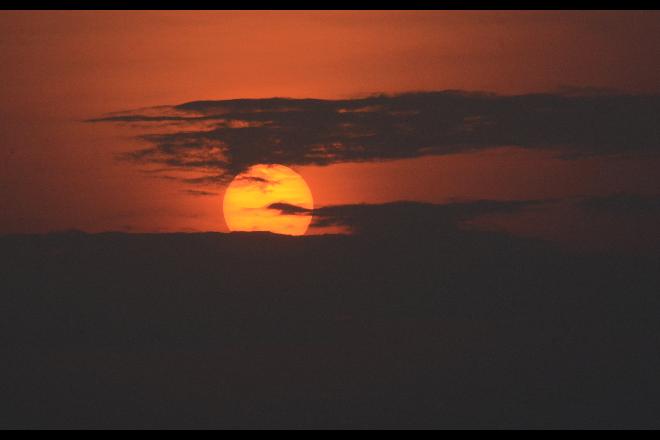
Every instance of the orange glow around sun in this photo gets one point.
(249, 195)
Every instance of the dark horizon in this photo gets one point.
(457, 329)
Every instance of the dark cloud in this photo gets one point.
(146, 118)
(241, 132)
(622, 203)
(404, 217)
(256, 179)
(618, 221)
(288, 209)
(194, 192)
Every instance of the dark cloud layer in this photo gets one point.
(226, 136)
(623, 203)
(404, 216)
(194, 192)
(622, 222)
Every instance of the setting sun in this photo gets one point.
(248, 197)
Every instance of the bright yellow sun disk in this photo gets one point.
(248, 196)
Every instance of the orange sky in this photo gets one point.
(60, 68)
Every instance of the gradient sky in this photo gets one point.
(63, 68)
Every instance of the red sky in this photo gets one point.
(60, 68)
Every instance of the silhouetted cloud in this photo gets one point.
(288, 209)
(624, 203)
(404, 216)
(194, 192)
(226, 136)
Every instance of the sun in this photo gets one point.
(249, 195)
